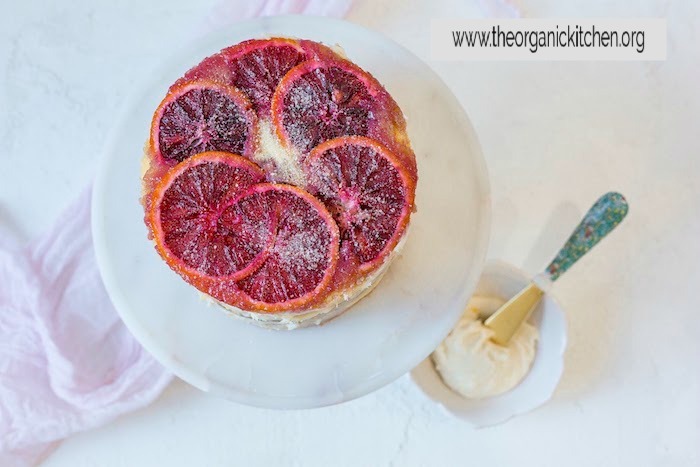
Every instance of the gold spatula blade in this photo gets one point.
(507, 319)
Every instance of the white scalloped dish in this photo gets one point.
(503, 281)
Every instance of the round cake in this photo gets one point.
(279, 181)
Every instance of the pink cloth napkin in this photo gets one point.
(67, 362)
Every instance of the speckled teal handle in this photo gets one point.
(599, 221)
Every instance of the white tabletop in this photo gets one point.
(555, 137)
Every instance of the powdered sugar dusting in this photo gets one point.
(301, 252)
(323, 103)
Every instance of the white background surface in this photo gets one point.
(555, 136)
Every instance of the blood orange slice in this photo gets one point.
(323, 99)
(301, 257)
(368, 191)
(199, 116)
(257, 66)
(213, 68)
(189, 224)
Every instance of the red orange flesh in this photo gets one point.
(188, 218)
(369, 193)
(301, 258)
(199, 116)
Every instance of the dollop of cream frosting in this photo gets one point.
(474, 366)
